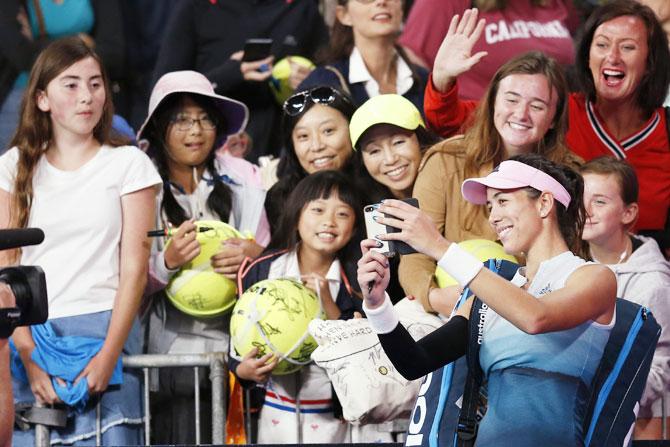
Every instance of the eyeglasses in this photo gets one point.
(182, 122)
(295, 104)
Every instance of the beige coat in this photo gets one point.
(438, 189)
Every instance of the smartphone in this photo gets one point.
(374, 228)
(400, 247)
(256, 49)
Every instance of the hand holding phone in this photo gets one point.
(401, 247)
(374, 228)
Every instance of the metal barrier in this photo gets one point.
(218, 374)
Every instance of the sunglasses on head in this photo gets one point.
(325, 95)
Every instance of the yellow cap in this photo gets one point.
(384, 109)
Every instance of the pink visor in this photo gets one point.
(512, 174)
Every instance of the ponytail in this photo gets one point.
(571, 220)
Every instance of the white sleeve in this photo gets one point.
(139, 171)
(8, 169)
(658, 381)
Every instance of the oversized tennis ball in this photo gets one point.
(280, 74)
(273, 315)
(196, 289)
(482, 249)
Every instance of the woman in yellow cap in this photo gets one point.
(523, 111)
(390, 137)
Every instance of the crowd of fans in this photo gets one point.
(122, 116)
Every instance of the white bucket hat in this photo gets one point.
(235, 113)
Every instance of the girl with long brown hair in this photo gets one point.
(94, 200)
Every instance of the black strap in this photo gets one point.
(27, 415)
(468, 421)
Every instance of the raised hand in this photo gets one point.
(454, 57)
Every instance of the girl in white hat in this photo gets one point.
(186, 123)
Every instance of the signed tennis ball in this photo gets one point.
(272, 315)
(196, 289)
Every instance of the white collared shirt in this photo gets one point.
(286, 266)
(358, 72)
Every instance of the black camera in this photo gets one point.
(28, 284)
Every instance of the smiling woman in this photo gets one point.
(315, 131)
(363, 58)
(623, 67)
(389, 136)
(544, 331)
(523, 111)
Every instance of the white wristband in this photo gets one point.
(162, 272)
(383, 319)
(460, 264)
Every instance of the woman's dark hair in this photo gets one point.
(622, 172)
(220, 199)
(571, 220)
(374, 191)
(319, 185)
(653, 86)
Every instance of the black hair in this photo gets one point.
(289, 170)
(319, 185)
(571, 219)
(653, 86)
(289, 167)
(220, 199)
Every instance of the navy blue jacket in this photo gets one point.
(324, 76)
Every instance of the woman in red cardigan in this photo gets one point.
(623, 66)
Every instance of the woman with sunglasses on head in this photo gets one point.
(523, 111)
(623, 68)
(187, 122)
(544, 332)
(363, 59)
(315, 130)
(643, 274)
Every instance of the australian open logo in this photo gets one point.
(480, 323)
